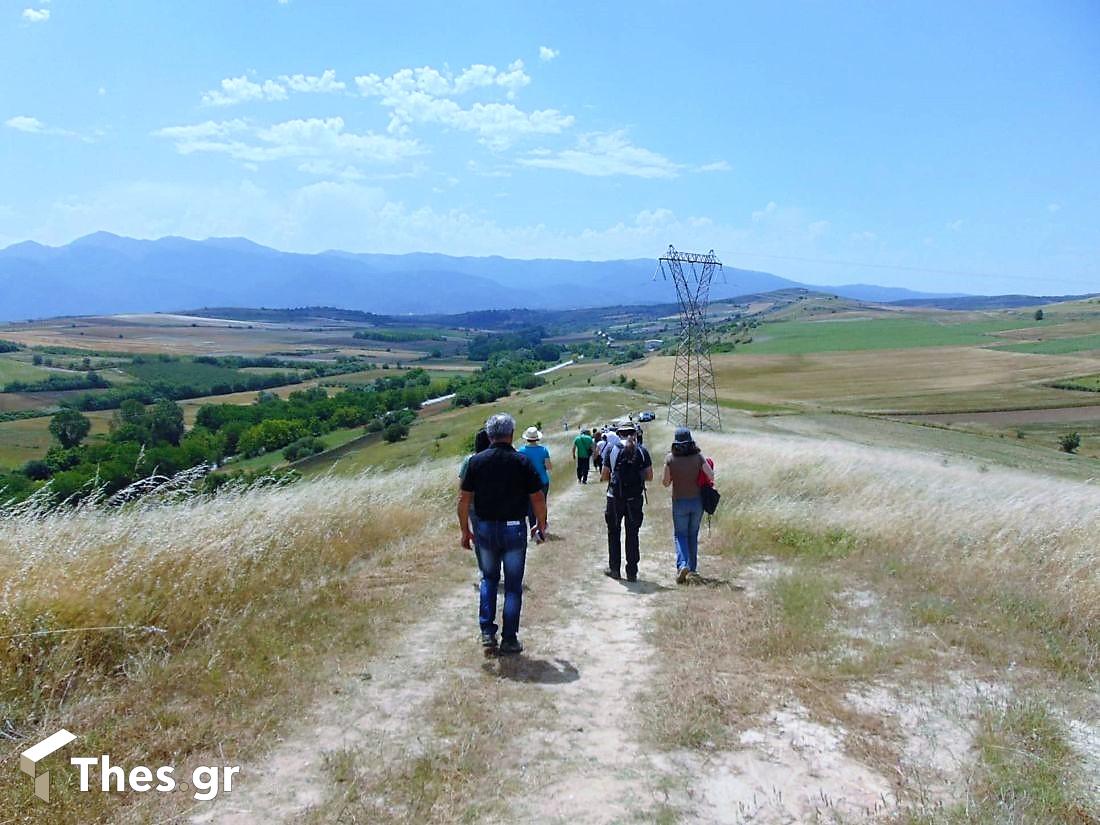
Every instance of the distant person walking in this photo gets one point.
(583, 445)
(597, 448)
(627, 467)
(686, 471)
(539, 457)
(500, 485)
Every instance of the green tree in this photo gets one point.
(166, 422)
(69, 427)
(1038, 315)
(132, 411)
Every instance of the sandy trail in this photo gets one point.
(376, 704)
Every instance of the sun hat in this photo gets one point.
(532, 434)
(682, 436)
(626, 427)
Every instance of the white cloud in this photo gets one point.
(956, 226)
(602, 154)
(319, 138)
(34, 126)
(546, 54)
(425, 95)
(310, 84)
(235, 90)
(717, 166)
(241, 90)
(22, 123)
(102, 91)
(36, 15)
(864, 236)
(1054, 207)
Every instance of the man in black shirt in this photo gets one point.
(501, 483)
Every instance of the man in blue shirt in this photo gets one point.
(539, 457)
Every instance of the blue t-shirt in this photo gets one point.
(537, 455)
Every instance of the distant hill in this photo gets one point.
(990, 301)
(885, 294)
(104, 274)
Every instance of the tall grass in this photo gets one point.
(172, 626)
(1027, 542)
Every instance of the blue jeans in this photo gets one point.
(687, 516)
(501, 544)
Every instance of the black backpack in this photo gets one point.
(627, 474)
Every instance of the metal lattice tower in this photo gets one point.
(694, 400)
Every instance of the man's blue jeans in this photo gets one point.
(501, 544)
(687, 516)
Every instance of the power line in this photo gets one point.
(930, 270)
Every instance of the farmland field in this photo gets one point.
(855, 334)
(925, 379)
(1059, 346)
(16, 369)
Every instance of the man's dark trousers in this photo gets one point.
(620, 510)
(582, 469)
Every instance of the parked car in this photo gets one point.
(647, 415)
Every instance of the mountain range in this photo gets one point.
(104, 273)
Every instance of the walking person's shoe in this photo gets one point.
(694, 578)
(612, 574)
(488, 640)
(632, 577)
(682, 575)
(509, 647)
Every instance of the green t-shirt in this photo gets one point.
(584, 445)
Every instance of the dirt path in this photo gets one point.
(559, 734)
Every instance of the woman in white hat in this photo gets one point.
(539, 457)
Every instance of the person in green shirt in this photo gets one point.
(582, 451)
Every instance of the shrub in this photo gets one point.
(395, 432)
(303, 448)
(1070, 443)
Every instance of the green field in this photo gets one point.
(1059, 346)
(200, 376)
(1086, 383)
(16, 369)
(801, 337)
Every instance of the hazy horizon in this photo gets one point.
(940, 149)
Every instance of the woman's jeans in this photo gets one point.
(501, 544)
(687, 516)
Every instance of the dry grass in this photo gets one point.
(991, 532)
(993, 570)
(928, 379)
(228, 601)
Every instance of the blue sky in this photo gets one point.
(941, 146)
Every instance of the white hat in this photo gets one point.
(532, 434)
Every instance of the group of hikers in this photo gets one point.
(503, 504)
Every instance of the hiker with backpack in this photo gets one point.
(686, 472)
(500, 485)
(627, 467)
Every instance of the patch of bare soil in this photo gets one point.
(790, 769)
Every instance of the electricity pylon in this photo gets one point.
(694, 400)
